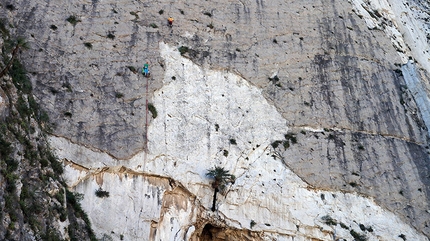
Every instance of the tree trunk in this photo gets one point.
(214, 200)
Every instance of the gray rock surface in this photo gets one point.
(317, 62)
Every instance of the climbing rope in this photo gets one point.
(146, 125)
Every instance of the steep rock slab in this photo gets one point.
(337, 74)
(85, 62)
(267, 196)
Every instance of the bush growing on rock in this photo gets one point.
(101, 193)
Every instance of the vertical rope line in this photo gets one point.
(146, 126)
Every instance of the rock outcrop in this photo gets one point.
(319, 109)
(35, 203)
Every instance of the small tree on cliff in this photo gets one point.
(20, 43)
(221, 178)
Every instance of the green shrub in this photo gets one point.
(33, 104)
(10, 182)
(12, 165)
(291, 137)
(5, 148)
(252, 224)
(275, 144)
(153, 25)
(357, 236)
(44, 162)
(274, 79)
(101, 194)
(343, 225)
(119, 95)
(43, 117)
(329, 220)
(111, 36)
(73, 20)
(51, 235)
(19, 77)
(57, 167)
(73, 199)
(153, 111)
(22, 107)
(183, 50)
(135, 15)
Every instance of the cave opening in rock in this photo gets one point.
(209, 233)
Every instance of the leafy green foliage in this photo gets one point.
(19, 77)
(289, 138)
(183, 50)
(22, 138)
(252, 224)
(329, 220)
(221, 177)
(110, 36)
(358, 236)
(73, 20)
(153, 111)
(73, 201)
(101, 193)
(119, 95)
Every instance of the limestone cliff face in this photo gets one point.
(318, 108)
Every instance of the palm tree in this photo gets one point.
(19, 44)
(222, 178)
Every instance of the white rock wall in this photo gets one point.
(185, 141)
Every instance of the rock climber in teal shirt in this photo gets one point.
(146, 69)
